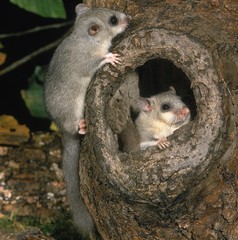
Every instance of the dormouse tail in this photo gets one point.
(81, 216)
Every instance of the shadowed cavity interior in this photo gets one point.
(157, 75)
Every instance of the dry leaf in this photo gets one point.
(3, 57)
(3, 151)
(11, 132)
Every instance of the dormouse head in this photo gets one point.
(100, 22)
(166, 107)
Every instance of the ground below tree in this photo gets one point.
(32, 189)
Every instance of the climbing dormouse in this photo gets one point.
(71, 69)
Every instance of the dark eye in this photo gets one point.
(113, 20)
(165, 107)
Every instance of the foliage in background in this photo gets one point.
(60, 229)
(44, 8)
(33, 96)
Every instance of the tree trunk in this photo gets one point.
(188, 191)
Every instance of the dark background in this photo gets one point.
(15, 19)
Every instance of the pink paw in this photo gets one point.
(163, 143)
(82, 127)
(113, 58)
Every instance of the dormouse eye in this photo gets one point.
(165, 107)
(113, 20)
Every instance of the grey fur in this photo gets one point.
(71, 69)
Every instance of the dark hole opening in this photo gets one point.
(156, 76)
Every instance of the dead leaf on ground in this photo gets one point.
(11, 132)
(3, 150)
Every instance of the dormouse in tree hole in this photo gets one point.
(159, 116)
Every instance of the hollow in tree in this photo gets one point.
(187, 191)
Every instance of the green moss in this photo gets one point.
(6, 224)
(61, 228)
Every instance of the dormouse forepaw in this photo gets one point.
(82, 127)
(163, 144)
(113, 58)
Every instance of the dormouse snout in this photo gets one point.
(183, 113)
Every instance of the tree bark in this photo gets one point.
(188, 191)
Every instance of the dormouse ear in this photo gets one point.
(172, 90)
(81, 8)
(93, 30)
(144, 105)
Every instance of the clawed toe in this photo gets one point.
(82, 127)
(163, 144)
(113, 58)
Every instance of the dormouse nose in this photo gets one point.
(185, 111)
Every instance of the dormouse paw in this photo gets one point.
(163, 143)
(113, 58)
(82, 127)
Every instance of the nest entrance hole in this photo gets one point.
(157, 75)
(153, 77)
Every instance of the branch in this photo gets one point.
(29, 57)
(32, 55)
(36, 29)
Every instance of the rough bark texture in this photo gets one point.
(188, 191)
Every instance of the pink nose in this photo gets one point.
(182, 113)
